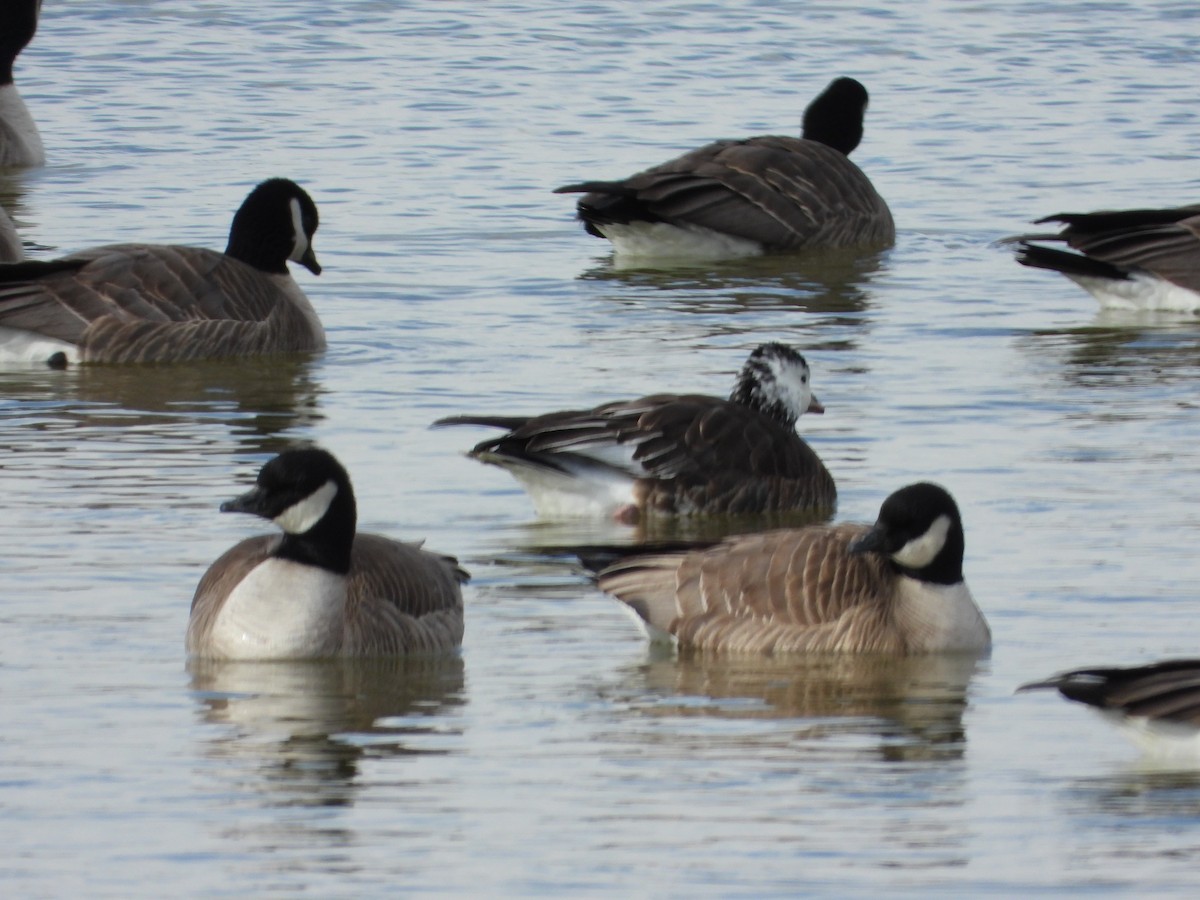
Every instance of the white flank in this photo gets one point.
(24, 147)
(659, 240)
(281, 610)
(24, 348)
(303, 515)
(921, 551)
(1158, 740)
(940, 617)
(1141, 291)
(556, 495)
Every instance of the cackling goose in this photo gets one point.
(20, 143)
(745, 197)
(672, 454)
(895, 588)
(320, 590)
(1140, 259)
(1157, 705)
(161, 303)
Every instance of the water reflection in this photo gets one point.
(294, 734)
(1123, 348)
(260, 401)
(829, 283)
(909, 708)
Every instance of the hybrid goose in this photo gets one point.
(20, 143)
(895, 588)
(1140, 259)
(164, 303)
(1157, 705)
(319, 589)
(746, 197)
(672, 454)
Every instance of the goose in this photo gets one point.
(165, 303)
(737, 198)
(1156, 705)
(20, 143)
(895, 588)
(10, 242)
(672, 454)
(319, 589)
(1139, 259)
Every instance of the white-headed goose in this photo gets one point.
(20, 143)
(319, 590)
(895, 588)
(1140, 259)
(1157, 705)
(745, 197)
(672, 454)
(167, 303)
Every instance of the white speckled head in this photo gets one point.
(775, 380)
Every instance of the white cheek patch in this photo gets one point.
(300, 247)
(300, 517)
(921, 551)
(791, 386)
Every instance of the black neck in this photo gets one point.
(329, 543)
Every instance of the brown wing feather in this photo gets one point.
(776, 592)
(786, 193)
(159, 303)
(401, 599)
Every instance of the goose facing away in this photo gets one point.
(1140, 259)
(1156, 705)
(746, 197)
(168, 303)
(895, 588)
(319, 590)
(672, 454)
(20, 143)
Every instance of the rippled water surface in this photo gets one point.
(559, 755)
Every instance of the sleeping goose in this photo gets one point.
(319, 589)
(895, 588)
(737, 198)
(20, 143)
(1157, 705)
(672, 454)
(1141, 259)
(166, 303)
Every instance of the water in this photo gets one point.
(560, 755)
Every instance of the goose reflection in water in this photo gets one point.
(895, 709)
(294, 733)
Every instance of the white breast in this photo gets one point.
(281, 610)
(940, 617)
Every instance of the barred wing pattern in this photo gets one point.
(775, 592)
(142, 303)
(785, 193)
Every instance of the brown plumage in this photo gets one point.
(780, 193)
(164, 303)
(676, 454)
(842, 588)
(373, 596)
